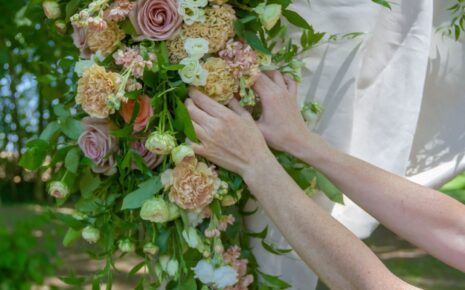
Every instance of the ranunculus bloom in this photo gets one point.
(126, 246)
(160, 143)
(98, 145)
(144, 114)
(156, 19)
(193, 185)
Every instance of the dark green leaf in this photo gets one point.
(35, 154)
(274, 250)
(88, 183)
(71, 236)
(183, 122)
(275, 281)
(294, 18)
(383, 3)
(71, 8)
(50, 131)
(146, 190)
(72, 160)
(329, 189)
(71, 128)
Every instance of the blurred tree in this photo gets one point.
(35, 73)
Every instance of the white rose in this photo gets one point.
(90, 234)
(160, 143)
(204, 271)
(191, 13)
(225, 276)
(126, 246)
(51, 9)
(196, 47)
(193, 72)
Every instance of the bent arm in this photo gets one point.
(423, 216)
(340, 259)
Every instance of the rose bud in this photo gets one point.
(268, 14)
(182, 153)
(151, 249)
(126, 246)
(170, 266)
(158, 210)
(160, 143)
(60, 26)
(51, 9)
(58, 189)
(311, 113)
(90, 234)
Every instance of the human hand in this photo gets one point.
(228, 137)
(281, 122)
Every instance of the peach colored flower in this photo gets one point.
(144, 114)
(118, 10)
(193, 185)
(232, 257)
(221, 83)
(106, 40)
(93, 91)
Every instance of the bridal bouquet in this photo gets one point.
(119, 151)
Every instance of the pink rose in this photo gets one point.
(79, 36)
(152, 160)
(98, 145)
(156, 19)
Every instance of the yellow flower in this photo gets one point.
(221, 83)
(217, 29)
(105, 41)
(94, 89)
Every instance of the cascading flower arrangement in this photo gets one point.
(120, 151)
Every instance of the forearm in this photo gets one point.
(421, 215)
(335, 254)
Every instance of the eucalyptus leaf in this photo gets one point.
(146, 190)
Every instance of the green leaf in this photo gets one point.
(146, 190)
(71, 128)
(260, 235)
(88, 183)
(72, 160)
(251, 37)
(35, 154)
(294, 18)
(60, 111)
(329, 189)
(71, 8)
(274, 281)
(50, 131)
(383, 3)
(274, 250)
(136, 268)
(73, 280)
(183, 122)
(71, 236)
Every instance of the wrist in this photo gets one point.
(259, 168)
(311, 148)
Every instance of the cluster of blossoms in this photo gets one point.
(130, 121)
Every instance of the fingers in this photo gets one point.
(264, 87)
(199, 131)
(277, 77)
(206, 104)
(199, 149)
(196, 114)
(237, 108)
(291, 85)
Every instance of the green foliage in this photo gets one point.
(456, 26)
(383, 3)
(146, 190)
(26, 258)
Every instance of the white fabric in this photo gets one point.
(372, 89)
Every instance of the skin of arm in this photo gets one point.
(423, 216)
(231, 139)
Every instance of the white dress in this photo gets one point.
(393, 97)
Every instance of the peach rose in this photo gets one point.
(144, 114)
(193, 184)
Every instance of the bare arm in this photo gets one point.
(231, 139)
(423, 216)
